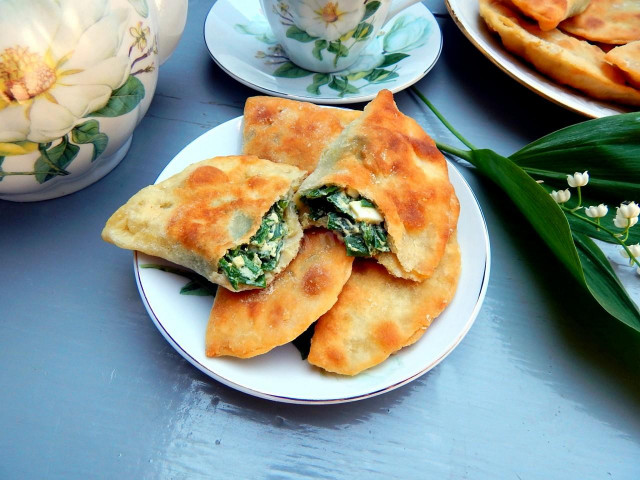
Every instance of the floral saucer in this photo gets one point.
(240, 41)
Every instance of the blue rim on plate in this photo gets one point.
(240, 41)
(281, 375)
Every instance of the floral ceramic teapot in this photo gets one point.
(76, 77)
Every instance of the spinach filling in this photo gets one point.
(362, 239)
(248, 263)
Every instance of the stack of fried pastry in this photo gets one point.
(590, 45)
(335, 217)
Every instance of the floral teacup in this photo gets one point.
(76, 77)
(328, 35)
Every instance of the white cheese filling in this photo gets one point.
(365, 214)
(238, 261)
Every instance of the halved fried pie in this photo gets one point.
(383, 186)
(230, 219)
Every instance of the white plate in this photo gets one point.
(281, 374)
(240, 41)
(466, 15)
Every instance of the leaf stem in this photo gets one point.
(600, 227)
(441, 118)
(579, 206)
(465, 155)
(579, 197)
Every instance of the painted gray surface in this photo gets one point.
(543, 386)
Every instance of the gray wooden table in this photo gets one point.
(543, 386)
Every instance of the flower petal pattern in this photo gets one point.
(328, 19)
(61, 63)
(14, 124)
(48, 121)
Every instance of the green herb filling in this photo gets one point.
(361, 238)
(248, 263)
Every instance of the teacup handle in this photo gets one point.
(397, 6)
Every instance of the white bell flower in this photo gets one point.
(578, 179)
(634, 249)
(629, 210)
(623, 222)
(328, 19)
(59, 62)
(561, 196)
(596, 211)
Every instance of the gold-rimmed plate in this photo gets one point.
(466, 15)
(281, 375)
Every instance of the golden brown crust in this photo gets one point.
(566, 59)
(291, 132)
(378, 314)
(607, 21)
(549, 13)
(627, 59)
(251, 323)
(195, 216)
(389, 159)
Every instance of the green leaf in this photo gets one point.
(370, 9)
(318, 47)
(338, 48)
(603, 283)
(546, 217)
(89, 132)
(321, 191)
(319, 79)
(53, 161)
(355, 76)
(356, 246)
(340, 201)
(380, 75)
(363, 31)
(609, 148)
(375, 237)
(290, 70)
(393, 58)
(122, 100)
(299, 35)
(197, 284)
(194, 287)
(341, 84)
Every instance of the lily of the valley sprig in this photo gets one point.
(610, 149)
(578, 180)
(626, 215)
